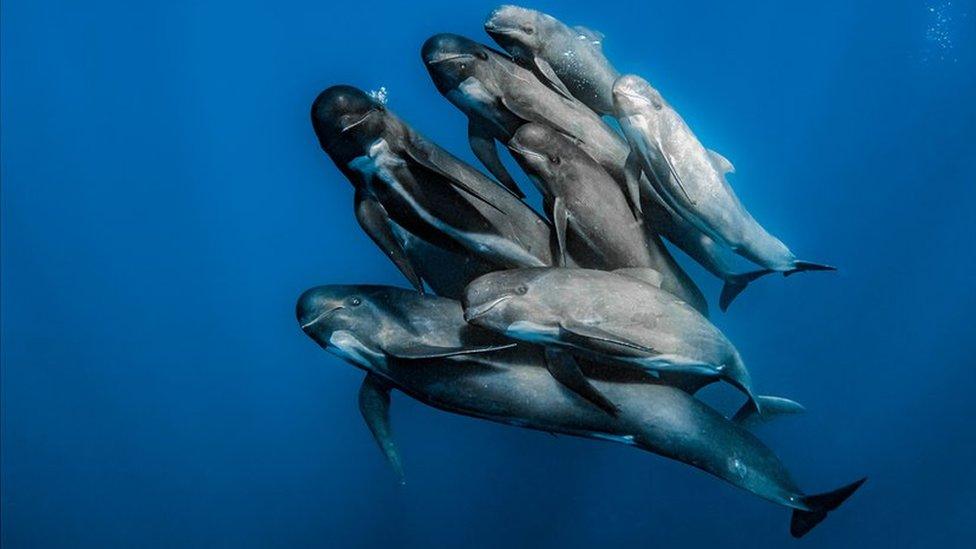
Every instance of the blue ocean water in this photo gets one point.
(164, 202)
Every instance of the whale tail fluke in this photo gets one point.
(735, 284)
(820, 504)
(802, 266)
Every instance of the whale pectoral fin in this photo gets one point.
(674, 172)
(632, 175)
(566, 371)
(484, 148)
(599, 340)
(543, 70)
(420, 351)
(644, 274)
(559, 219)
(772, 407)
(374, 220)
(721, 163)
(448, 168)
(374, 405)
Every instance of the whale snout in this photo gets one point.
(444, 47)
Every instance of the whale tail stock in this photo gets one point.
(801, 266)
(820, 504)
(735, 284)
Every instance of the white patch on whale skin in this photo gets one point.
(378, 159)
(472, 94)
(736, 467)
(526, 330)
(622, 439)
(347, 346)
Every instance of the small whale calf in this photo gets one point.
(578, 321)
(625, 317)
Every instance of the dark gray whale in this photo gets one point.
(402, 178)
(421, 346)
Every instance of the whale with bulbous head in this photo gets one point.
(421, 346)
(691, 179)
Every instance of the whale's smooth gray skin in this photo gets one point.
(401, 176)
(512, 386)
(568, 60)
(621, 317)
(691, 178)
(590, 213)
(447, 273)
(498, 96)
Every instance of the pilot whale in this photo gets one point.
(691, 179)
(590, 213)
(457, 368)
(568, 60)
(623, 317)
(403, 178)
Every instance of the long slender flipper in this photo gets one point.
(543, 70)
(484, 148)
(674, 173)
(412, 350)
(374, 405)
(632, 173)
(559, 219)
(566, 371)
(646, 275)
(598, 339)
(446, 167)
(373, 219)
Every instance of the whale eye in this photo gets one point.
(555, 159)
(522, 290)
(528, 29)
(483, 55)
(658, 106)
(355, 302)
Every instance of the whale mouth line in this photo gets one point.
(320, 317)
(526, 152)
(481, 311)
(365, 117)
(445, 57)
(492, 29)
(633, 95)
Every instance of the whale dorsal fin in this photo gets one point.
(596, 37)
(644, 274)
(721, 163)
(374, 405)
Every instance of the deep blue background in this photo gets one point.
(164, 202)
